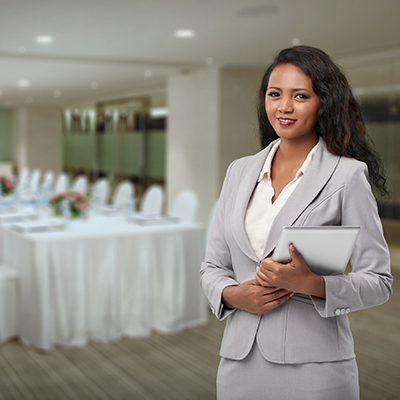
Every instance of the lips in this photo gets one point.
(286, 121)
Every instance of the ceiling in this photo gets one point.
(106, 47)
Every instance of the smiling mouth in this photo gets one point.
(286, 121)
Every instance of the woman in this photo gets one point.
(287, 334)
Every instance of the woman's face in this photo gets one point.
(291, 104)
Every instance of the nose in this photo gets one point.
(285, 105)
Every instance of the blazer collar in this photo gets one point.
(320, 170)
(246, 184)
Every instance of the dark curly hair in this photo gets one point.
(340, 122)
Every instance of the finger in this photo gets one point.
(268, 264)
(296, 256)
(273, 289)
(261, 279)
(258, 280)
(276, 294)
(276, 303)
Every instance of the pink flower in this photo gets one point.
(8, 184)
(82, 206)
(75, 196)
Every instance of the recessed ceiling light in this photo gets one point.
(44, 39)
(185, 33)
(23, 83)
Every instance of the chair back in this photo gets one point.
(121, 194)
(185, 206)
(61, 183)
(23, 179)
(47, 184)
(34, 181)
(80, 185)
(153, 199)
(101, 189)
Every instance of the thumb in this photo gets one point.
(297, 258)
(295, 255)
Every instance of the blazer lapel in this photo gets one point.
(320, 170)
(247, 182)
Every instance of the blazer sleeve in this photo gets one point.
(216, 271)
(369, 282)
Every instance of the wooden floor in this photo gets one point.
(182, 366)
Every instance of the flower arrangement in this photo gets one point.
(78, 204)
(7, 185)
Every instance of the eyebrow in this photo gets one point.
(294, 90)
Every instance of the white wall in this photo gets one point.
(36, 138)
(238, 135)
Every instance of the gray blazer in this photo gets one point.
(334, 191)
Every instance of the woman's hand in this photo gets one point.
(252, 297)
(294, 276)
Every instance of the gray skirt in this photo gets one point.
(255, 378)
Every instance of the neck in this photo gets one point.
(294, 151)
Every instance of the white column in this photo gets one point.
(193, 138)
(18, 137)
(36, 138)
(212, 121)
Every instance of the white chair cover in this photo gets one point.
(34, 181)
(61, 183)
(48, 180)
(123, 190)
(185, 206)
(80, 185)
(102, 187)
(8, 301)
(23, 180)
(153, 199)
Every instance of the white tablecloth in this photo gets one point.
(106, 278)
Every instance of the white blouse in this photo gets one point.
(261, 212)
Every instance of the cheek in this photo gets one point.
(269, 109)
(312, 114)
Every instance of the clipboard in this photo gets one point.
(326, 249)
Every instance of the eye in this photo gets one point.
(273, 94)
(301, 96)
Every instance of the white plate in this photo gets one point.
(38, 226)
(17, 217)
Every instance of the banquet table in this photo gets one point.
(106, 278)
